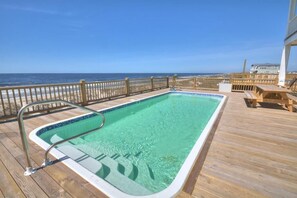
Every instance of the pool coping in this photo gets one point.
(177, 184)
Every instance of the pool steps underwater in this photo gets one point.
(117, 170)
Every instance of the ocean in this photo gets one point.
(51, 78)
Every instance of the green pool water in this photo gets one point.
(141, 146)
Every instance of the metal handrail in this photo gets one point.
(29, 169)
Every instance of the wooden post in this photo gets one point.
(127, 86)
(276, 81)
(195, 82)
(243, 69)
(174, 80)
(83, 92)
(290, 105)
(167, 81)
(152, 83)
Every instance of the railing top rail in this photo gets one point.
(136, 79)
(105, 81)
(254, 78)
(161, 77)
(213, 78)
(36, 86)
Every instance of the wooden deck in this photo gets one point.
(252, 153)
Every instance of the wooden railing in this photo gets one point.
(289, 76)
(246, 81)
(294, 87)
(256, 76)
(13, 98)
(104, 90)
(140, 85)
(239, 82)
(184, 83)
(210, 83)
(159, 83)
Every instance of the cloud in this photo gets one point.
(36, 10)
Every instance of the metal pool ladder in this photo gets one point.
(29, 169)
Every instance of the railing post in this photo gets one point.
(83, 92)
(127, 86)
(195, 82)
(174, 80)
(167, 79)
(152, 83)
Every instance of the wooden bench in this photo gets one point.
(294, 100)
(251, 97)
(292, 97)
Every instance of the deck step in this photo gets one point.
(125, 166)
(139, 171)
(121, 181)
(119, 171)
(144, 172)
(129, 169)
(85, 160)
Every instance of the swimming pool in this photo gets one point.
(146, 148)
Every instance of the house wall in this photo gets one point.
(265, 69)
(292, 23)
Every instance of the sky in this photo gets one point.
(141, 36)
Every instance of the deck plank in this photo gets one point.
(253, 153)
(67, 179)
(48, 185)
(29, 187)
(219, 187)
(8, 183)
(1, 194)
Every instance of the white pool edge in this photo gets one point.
(177, 184)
